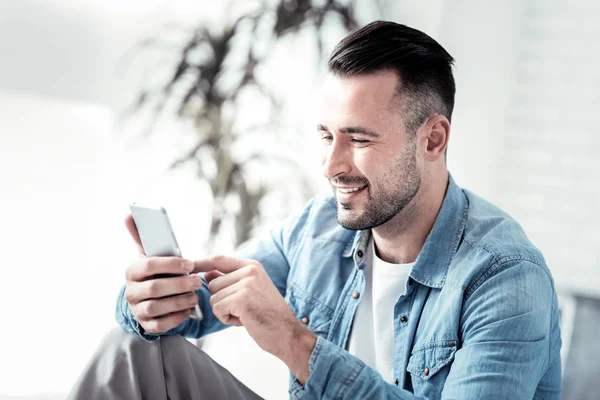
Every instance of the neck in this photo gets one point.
(400, 240)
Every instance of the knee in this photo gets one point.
(120, 340)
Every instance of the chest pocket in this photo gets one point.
(429, 366)
(309, 310)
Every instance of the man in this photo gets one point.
(401, 285)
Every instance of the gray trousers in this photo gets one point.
(127, 367)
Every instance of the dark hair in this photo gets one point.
(423, 66)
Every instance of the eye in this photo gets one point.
(326, 138)
(360, 141)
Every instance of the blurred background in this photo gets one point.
(206, 107)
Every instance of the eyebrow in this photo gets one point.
(352, 129)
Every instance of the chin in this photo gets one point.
(346, 218)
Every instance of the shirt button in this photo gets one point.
(355, 295)
(304, 320)
(426, 372)
(397, 382)
(403, 319)
(360, 253)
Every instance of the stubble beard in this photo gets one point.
(397, 189)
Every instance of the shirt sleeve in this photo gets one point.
(273, 251)
(505, 349)
(507, 328)
(336, 374)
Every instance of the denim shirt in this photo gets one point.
(479, 319)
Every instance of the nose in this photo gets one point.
(336, 160)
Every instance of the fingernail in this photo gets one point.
(187, 265)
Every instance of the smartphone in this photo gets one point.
(158, 239)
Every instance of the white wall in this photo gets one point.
(481, 36)
(522, 131)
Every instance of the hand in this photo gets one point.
(243, 294)
(159, 304)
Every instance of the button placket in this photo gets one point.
(401, 317)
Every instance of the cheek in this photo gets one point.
(367, 166)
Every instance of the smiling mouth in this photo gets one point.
(350, 190)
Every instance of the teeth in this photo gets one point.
(348, 190)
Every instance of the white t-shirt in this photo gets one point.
(374, 318)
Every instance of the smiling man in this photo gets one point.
(400, 285)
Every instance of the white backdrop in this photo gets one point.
(66, 178)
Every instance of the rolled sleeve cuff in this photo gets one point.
(332, 372)
(128, 322)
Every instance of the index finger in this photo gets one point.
(130, 224)
(224, 264)
(148, 268)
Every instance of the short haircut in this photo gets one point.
(423, 66)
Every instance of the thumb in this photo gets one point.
(130, 224)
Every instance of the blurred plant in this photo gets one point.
(217, 74)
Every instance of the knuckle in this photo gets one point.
(147, 309)
(217, 258)
(129, 272)
(253, 269)
(147, 263)
(129, 297)
(138, 313)
(254, 262)
(152, 288)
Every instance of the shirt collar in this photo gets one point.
(432, 264)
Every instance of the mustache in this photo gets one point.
(349, 180)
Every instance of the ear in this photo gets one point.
(437, 133)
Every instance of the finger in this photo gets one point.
(137, 292)
(235, 321)
(210, 275)
(147, 267)
(226, 309)
(226, 292)
(130, 224)
(226, 280)
(168, 322)
(155, 308)
(223, 264)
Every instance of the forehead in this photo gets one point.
(370, 96)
